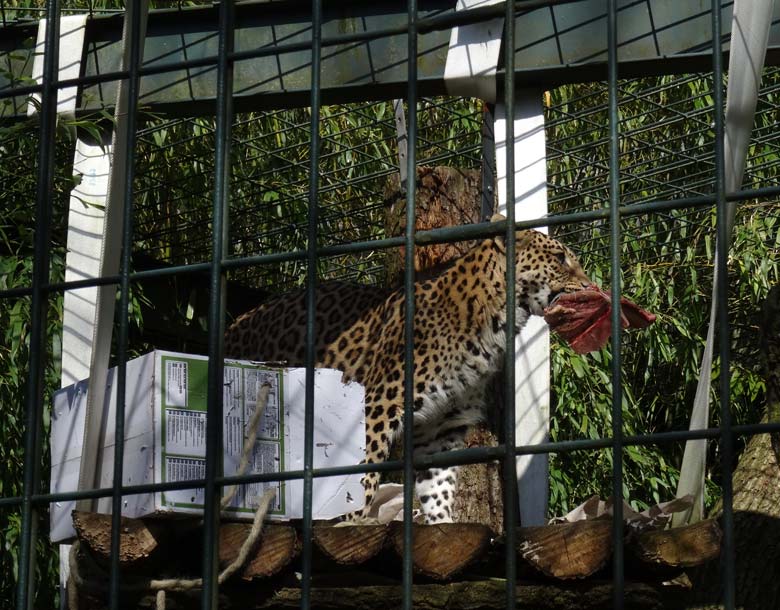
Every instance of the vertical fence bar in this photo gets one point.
(124, 299)
(220, 220)
(311, 299)
(136, 14)
(411, 192)
(25, 586)
(724, 335)
(614, 244)
(488, 205)
(510, 462)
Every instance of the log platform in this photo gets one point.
(560, 565)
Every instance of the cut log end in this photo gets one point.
(681, 547)
(277, 547)
(138, 539)
(567, 550)
(441, 551)
(350, 544)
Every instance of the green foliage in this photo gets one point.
(666, 261)
(17, 231)
(270, 183)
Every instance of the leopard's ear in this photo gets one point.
(498, 239)
(524, 239)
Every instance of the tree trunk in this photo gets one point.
(756, 497)
(447, 197)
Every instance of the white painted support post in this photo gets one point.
(108, 264)
(93, 241)
(472, 57)
(402, 139)
(85, 221)
(72, 30)
(85, 238)
(471, 68)
(532, 347)
(86, 215)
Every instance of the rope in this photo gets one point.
(161, 586)
(249, 444)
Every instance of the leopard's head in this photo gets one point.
(544, 269)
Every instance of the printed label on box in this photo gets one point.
(176, 390)
(185, 469)
(184, 430)
(270, 420)
(265, 458)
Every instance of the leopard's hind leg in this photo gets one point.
(435, 487)
(383, 420)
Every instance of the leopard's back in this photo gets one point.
(275, 331)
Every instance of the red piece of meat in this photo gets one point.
(583, 318)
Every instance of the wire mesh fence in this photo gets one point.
(269, 185)
(667, 152)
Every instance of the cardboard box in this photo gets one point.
(165, 428)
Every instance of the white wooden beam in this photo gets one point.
(532, 346)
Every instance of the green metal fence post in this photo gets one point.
(137, 14)
(311, 300)
(25, 590)
(409, 302)
(216, 322)
(510, 463)
(724, 333)
(616, 379)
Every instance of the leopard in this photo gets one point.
(459, 345)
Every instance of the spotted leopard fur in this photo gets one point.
(459, 339)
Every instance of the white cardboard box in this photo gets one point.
(165, 427)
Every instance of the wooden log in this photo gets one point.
(277, 547)
(138, 539)
(350, 544)
(486, 595)
(567, 550)
(480, 492)
(681, 547)
(441, 551)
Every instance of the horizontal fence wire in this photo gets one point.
(455, 457)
